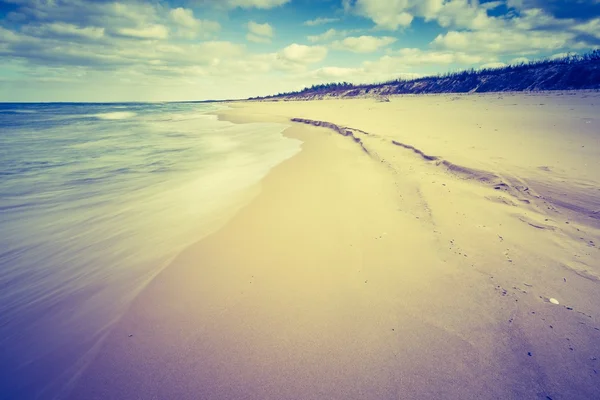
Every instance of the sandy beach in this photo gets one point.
(437, 246)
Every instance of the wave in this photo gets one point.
(12, 111)
(89, 213)
(116, 115)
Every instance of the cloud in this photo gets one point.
(395, 14)
(530, 32)
(118, 49)
(150, 32)
(65, 30)
(328, 35)
(260, 29)
(257, 39)
(591, 27)
(110, 15)
(493, 65)
(519, 60)
(577, 9)
(262, 4)
(335, 73)
(417, 57)
(184, 18)
(301, 54)
(122, 52)
(363, 44)
(137, 13)
(530, 26)
(358, 75)
(560, 55)
(386, 14)
(491, 5)
(463, 14)
(504, 41)
(320, 21)
(396, 65)
(333, 33)
(51, 52)
(188, 26)
(259, 33)
(113, 38)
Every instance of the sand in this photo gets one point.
(414, 249)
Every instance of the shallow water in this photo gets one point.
(94, 200)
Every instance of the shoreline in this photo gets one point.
(349, 278)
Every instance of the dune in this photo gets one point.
(435, 246)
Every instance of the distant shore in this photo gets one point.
(414, 249)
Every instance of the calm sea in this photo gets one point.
(95, 199)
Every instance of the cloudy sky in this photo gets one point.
(81, 50)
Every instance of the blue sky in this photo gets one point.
(78, 50)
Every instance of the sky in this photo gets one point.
(178, 50)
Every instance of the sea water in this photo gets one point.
(95, 199)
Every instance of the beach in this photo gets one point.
(435, 246)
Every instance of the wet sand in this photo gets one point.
(409, 251)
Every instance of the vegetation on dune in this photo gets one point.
(573, 72)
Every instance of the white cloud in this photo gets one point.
(396, 65)
(491, 5)
(394, 14)
(519, 60)
(393, 21)
(111, 16)
(336, 73)
(466, 16)
(259, 33)
(504, 41)
(333, 33)
(493, 65)
(463, 14)
(118, 50)
(427, 8)
(184, 18)
(189, 26)
(150, 32)
(8, 36)
(263, 4)
(531, 32)
(591, 27)
(121, 53)
(387, 14)
(328, 35)
(363, 44)
(535, 18)
(417, 57)
(301, 54)
(65, 30)
(257, 39)
(356, 75)
(560, 55)
(518, 4)
(260, 29)
(138, 13)
(320, 21)
(583, 8)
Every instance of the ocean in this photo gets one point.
(95, 200)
